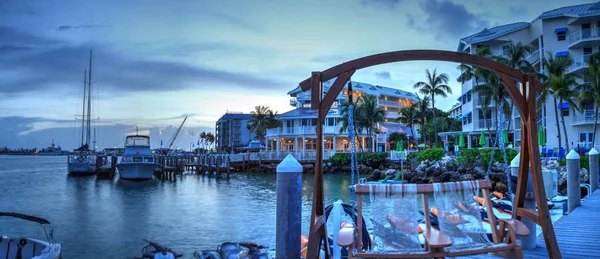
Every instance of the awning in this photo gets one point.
(564, 105)
(562, 54)
(557, 30)
(464, 116)
(463, 95)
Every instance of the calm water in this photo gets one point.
(109, 218)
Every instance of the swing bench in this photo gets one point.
(396, 223)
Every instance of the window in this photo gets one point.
(330, 122)
(586, 30)
(505, 50)
(290, 123)
(304, 122)
(468, 96)
(587, 51)
(313, 122)
(565, 111)
(560, 36)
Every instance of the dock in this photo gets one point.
(577, 234)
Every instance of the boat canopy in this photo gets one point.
(25, 217)
(137, 141)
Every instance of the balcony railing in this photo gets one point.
(580, 62)
(304, 130)
(586, 117)
(391, 103)
(484, 124)
(583, 35)
(534, 57)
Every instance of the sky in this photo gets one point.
(155, 62)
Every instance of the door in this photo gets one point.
(586, 139)
(586, 30)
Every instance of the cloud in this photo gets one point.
(78, 27)
(386, 4)
(61, 67)
(519, 11)
(232, 20)
(448, 20)
(384, 75)
(17, 7)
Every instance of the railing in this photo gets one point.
(391, 103)
(304, 130)
(588, 116)
(534, 57)
(306, 155)
(293, 101)
(580, 62)
(581, 35)
(484, 124)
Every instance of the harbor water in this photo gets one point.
(110, 218)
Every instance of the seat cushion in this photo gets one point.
(13, 249)
(28, 250)
(3, 248)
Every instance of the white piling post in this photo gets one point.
(593, 170)
(529, 241)
(289, 208)
(337, 222)
(573, 181)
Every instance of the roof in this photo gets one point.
(369, 89)
(301, 112)
(573, 10)
(395, 127)
(494, 32)
(236, 116)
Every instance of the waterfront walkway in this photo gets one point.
(578, 234)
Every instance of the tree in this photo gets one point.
(436, 84)
(423, 113)
(344, 118)
(553, 66)
(210, 139)
(202, 140)
(262, 119)
(565, 89)
(395, 137)
(590, 90)
(409, 116)
(370, 114)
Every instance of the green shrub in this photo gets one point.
(372, 158)
(430, 154)
(340, 159)
(584, 162)
(468, 157)
(562, 162)
(486, 153)
(412, 155)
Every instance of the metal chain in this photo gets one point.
(353, 159)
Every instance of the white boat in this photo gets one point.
(137, 162)
(28, 247)
(83, 162)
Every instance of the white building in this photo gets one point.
(571, 30)
(456, 111)
(298, 133)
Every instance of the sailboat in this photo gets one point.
(83, 161)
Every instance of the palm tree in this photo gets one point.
(409, 116)
(370, 114)
(262, 119)
(344, 110)
(515, 58)
(436, 84)
(423, 114)
(565, 89)
(553, 66)
(590, 89)
(210, 139)
(203, 140)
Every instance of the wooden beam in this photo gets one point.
(517, 98)
(409, 55)
(528, 214)
(521, 189)
(536, 174)
(315, 90)
(333, 92)
(421, 188)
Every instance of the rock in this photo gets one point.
(584, 175)
(466, 177)
(391, 172)
(346, 168)
(500, 187)
(443, 177)
(376, 174)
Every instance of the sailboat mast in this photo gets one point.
(89, 117)
(83, 108)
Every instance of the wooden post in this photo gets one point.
(529, 241)
(573, 181)
(593, 170)
(289, 208)
(228, 166)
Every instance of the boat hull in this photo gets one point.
(81, 168)
(136, 171)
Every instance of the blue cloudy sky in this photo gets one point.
(157, 61)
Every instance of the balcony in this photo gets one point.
(585, 118)
(580, 63)
(303, 130)
(484, 124)
(534, 57)
(394, 104)
(581, 37)
(293, 101)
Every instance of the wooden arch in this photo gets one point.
(523, 99)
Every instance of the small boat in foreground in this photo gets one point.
(157, 251)
(137, 162)
(28, 247)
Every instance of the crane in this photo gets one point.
(172, 140)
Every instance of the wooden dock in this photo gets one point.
(578, 234)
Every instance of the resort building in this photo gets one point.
(456, 111)
(567, 31)
(231, 130)
(298, 133)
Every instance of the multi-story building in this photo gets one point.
(298, 133)
(567, 31)
(231, 130)
(456, 111)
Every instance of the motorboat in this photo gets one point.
(231, 250)
(137, 162)
(29, 247)
(155, 250)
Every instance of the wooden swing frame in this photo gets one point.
(523, 99)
